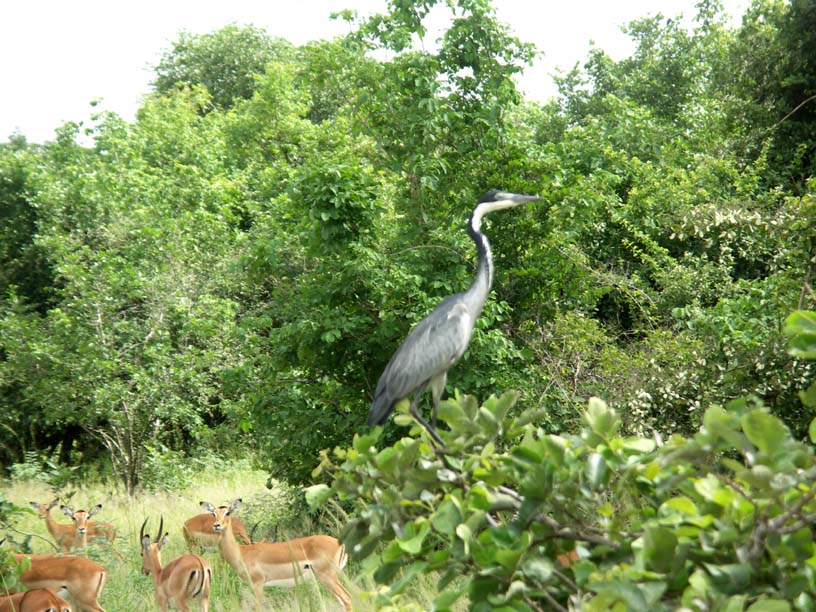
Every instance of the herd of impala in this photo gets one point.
(50, 578)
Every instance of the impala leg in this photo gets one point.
(258, 588)
(340, 592)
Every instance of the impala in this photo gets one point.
(82, 578)
(184, 578)
(35, 600)
(281, 564)
(198, 532)
(81, 523)
(64, 534)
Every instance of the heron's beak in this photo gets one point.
(519, 199)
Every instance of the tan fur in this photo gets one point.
(281, 563)
(82, 578)
(184, 578)
(198, 532)
(35, 600)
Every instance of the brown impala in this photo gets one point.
(64, 534)
(82, 578)
(83, 527)
(35, 600)
(68, 536)
(198, 532)
(185, 577)
(281, 564)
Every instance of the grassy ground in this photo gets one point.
(128, 590)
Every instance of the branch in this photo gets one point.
(785, 118)
(780, 520)
(566, 580)
(554, 605)
(34, 535)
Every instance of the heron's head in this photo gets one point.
(497, 200)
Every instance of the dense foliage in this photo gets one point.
(518, 519)
(228, 274)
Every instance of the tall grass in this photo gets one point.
(127, 590)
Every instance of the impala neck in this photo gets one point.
(156, 565)
(52, 525)
(230, 549)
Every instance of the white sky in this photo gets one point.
(59, 55)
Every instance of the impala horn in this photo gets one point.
(141, 532)
(161, 526)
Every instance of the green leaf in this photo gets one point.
(624, 591)
(713, 490)
(446, 518)
(640, 445)
(659, 544)
(600, 418)
(538, 568)
(412, 540)
(765, 431)
(769, 605)
(808, 396)
(316, 495)
(682, 504)
(451, 412)
(447, 598)
(466, 535)
(800, 326)
(597, 470)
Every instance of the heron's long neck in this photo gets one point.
(476, 295)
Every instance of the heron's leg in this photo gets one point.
(414, 410)
(437, 389)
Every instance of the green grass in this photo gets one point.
(128, 590)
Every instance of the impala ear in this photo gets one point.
(234, 506)
(67, 511)
(164, 541)
(146, 541)
(95, 509)
(207, 506)
(34, 505)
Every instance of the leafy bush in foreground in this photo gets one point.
(718, 521)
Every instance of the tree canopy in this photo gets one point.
(231, 271)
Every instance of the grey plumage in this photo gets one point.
(440, 339)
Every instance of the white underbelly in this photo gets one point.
(290, 582)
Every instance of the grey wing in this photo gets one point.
(431, 348)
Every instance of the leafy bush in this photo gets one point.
(713, 522)
(717, 521)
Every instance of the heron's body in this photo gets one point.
(440, 339)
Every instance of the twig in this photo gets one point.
(783, 119)
(566, 580)
(34, 535)
(780, 520)
(554, 605)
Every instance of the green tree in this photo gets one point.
(225, 62)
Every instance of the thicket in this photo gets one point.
(233, 269)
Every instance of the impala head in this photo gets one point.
(497, 200)
(151, 551)
(43, 509)
(221, 514)
(80, 517)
